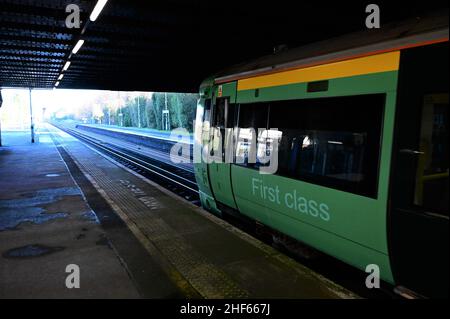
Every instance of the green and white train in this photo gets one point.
(358, 127)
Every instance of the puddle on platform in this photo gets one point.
(31, 251)
(14, 212)
(40, 198)
(11, 218)
(52, 175)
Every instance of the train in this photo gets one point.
(341, 145)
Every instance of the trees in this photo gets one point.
(157, 105)
(141, 110)
(182, 108)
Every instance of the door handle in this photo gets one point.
(411, 152)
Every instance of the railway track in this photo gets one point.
(179, 180)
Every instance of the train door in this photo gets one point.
(201, 138)
(221, 143)
(419, 228)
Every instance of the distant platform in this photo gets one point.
(164, 135)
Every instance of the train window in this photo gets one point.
(231, 116)
(333, 142)
(432, 189)
(207, 112)
(219, 112)
(205, 135)
(251, 127)
(217, 128)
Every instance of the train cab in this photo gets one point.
(345, 152)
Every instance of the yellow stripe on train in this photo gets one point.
(371, 64)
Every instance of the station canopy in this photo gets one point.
(166, 45)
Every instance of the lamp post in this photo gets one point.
(139, 112)
(165, 115)
(1, 102)
(31, 119)
(120, 109)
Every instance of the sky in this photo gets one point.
(15, 109)
(51, 99)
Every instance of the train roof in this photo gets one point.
(429, 29)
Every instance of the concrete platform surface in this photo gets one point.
(46, 225)
(159, 246)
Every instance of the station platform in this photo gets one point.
(126, 143)
(46, 224)
(146, 132)
(63, 203)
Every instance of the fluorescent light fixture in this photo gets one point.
(335, 142)
(78, 46)
(60, 77)
(56, 84)
(66, 66)
(97, 9)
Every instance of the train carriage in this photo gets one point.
(341, 145)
